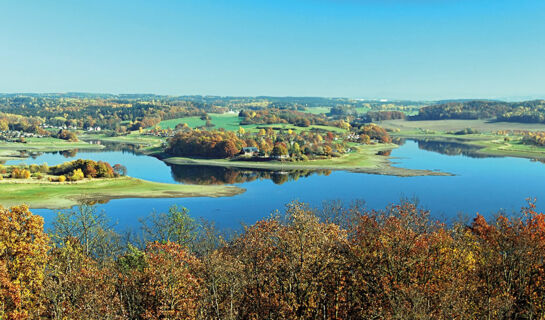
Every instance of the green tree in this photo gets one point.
(173, 226)
(92, 229)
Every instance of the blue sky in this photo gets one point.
(413, 49)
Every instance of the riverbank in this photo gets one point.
(47, 195)
(364, 160)
(18, 150)
(147, 143)
(490, 144)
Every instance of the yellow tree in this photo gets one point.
(23, 255)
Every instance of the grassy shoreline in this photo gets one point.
(12, 150)
(489, 143)
(364, 160)
(47, 195)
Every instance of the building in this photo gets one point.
(250, 151)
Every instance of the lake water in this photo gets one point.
(483, 185)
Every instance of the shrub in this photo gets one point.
(62, 178)
(76, 175)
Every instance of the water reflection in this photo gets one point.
(449, 148)
(208, 175)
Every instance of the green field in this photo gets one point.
(227, 121)
(364, 160)
(52, 195)
(231, 122)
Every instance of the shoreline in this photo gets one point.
(364, 161)
(490, 144)
(55, 195)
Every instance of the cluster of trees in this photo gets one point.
(67, 135)
(277, 143)
(372, 131)
(534, 113)
(203, 143)
(23, 171)
(464, 131)
(526, 111)
(72, 171)
(335, 263)
(14, 122)
(108, 112)
(342, 111)
(276, 116)
(536, 138)
(17, 173)
(373, 116)
(145, 122)
(79, 169)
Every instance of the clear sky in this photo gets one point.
(414, 49)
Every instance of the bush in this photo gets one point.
(62, 178)
(17, 173)
(76, 175)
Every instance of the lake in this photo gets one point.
(483, 185)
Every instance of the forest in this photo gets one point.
(128, 112)
(340, 261)
(526, 111)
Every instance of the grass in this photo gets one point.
(231, 122)
(227, 121)
(364, 160)
(44, 194)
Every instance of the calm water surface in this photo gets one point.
(483, 185)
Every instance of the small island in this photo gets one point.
(365, 149)
(71, 183)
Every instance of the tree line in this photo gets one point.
(71, 171)
(526, 111)
(106, 112)
(337, 262)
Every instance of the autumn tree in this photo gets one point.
(279, 150)
(23, 256)
(77, 286)
(171, 288)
